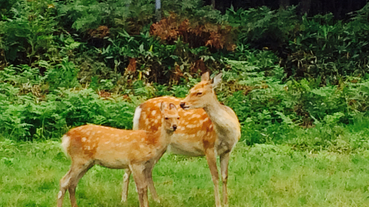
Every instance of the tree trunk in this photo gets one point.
(213, 4)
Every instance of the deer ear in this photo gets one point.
(217, 80)
(162, 106)
(172, 106)
(205, 77)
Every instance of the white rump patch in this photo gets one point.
(136, 117)
(65, 144)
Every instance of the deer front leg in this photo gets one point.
(150, 183)
(224, 160)
(127, 174)
(141, 184)
(211, 158)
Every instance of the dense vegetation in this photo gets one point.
(290, 78)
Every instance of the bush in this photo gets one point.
(329, 49)
(29, 119)
(28, 113)
(270, 107)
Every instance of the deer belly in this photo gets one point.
(113, 159)
(113, 163)
(189, 147)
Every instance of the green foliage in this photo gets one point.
(6, 6)
(28, 119)
(270, 108)
(193, 10)
(62, 75)
(28, 114)
(89, 14)
(261, 26)
(323, 47)
(288, 73)
(156, 61)
(28, 33)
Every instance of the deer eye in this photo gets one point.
(198, 93)
(177, 117)
(166, 118)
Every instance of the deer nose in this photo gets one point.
(182, 104)
(174, 127)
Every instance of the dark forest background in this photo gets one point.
(339, 8)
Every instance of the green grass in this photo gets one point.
(262, 175)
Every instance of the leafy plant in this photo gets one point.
(62, 75)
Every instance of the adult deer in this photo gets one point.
(137, 151)
(209, 129)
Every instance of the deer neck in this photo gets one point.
(164, 138)
(225, 124)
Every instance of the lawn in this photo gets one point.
(261, 175)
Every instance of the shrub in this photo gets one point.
(29, 119)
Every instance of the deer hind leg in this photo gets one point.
(150, 183)
(70, 181)
(127, 174)
(211, 158)
(141, 184)
(224, 160)
(64, 185)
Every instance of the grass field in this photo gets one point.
(262, 175)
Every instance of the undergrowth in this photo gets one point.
(64, 64)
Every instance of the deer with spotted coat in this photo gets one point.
(207, 128)
(137, 151)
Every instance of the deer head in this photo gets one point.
(202, 92)
(170, 116)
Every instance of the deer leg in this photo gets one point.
(224, 160)
(70, 181)
(80, 172)
(150, 183)
(127, 174)
(64, 185)
(141, 184)
(211, 158)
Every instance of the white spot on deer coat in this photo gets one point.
(153, 112)
(196, 116)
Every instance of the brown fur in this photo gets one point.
(137, 151)
(197, 135)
